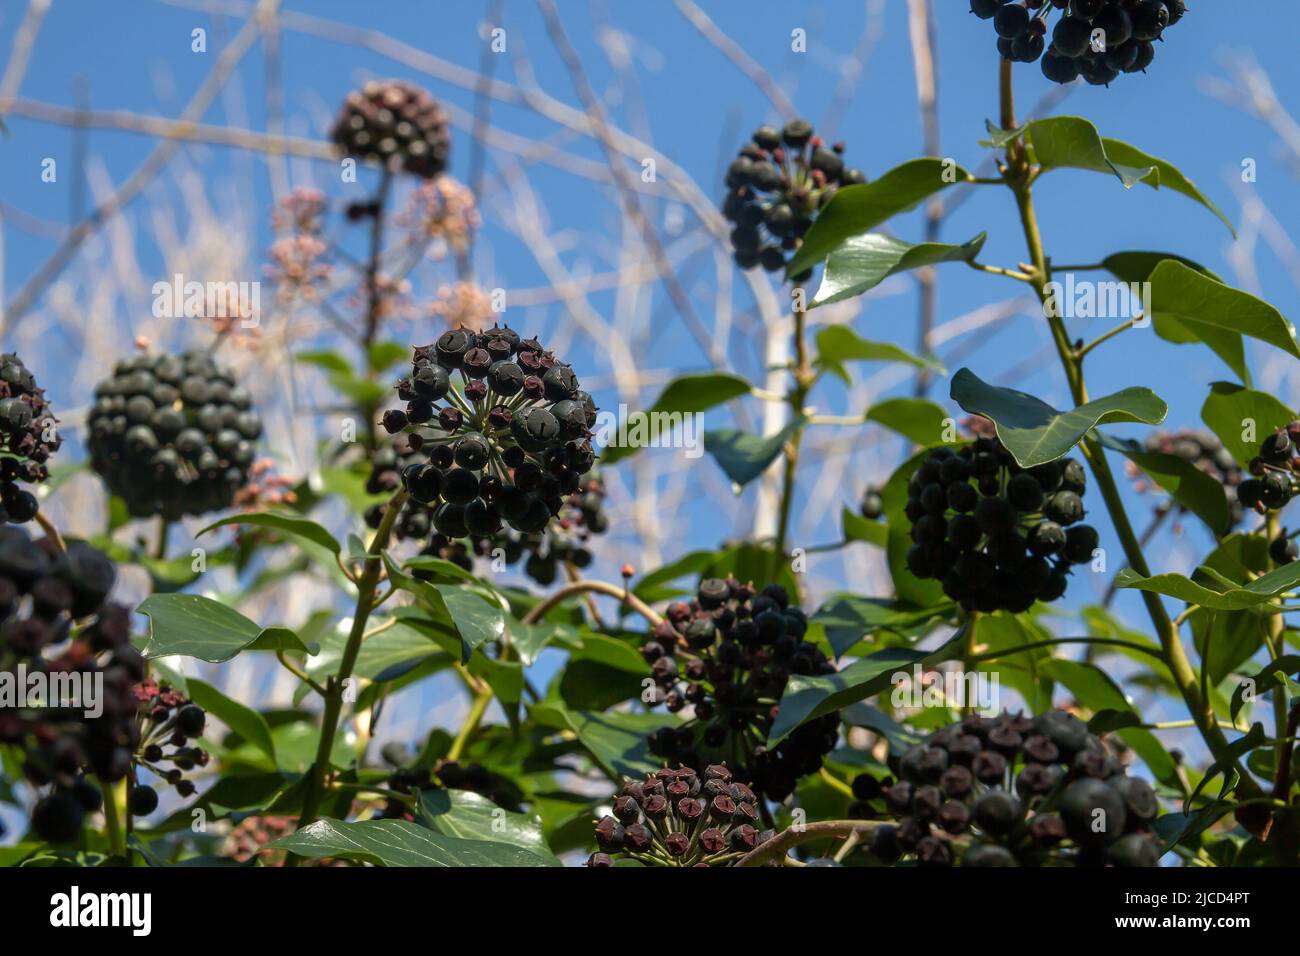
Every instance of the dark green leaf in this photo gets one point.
(861, 263)
(848, 619)
(194, 626)
(918, 419)
(1194, 489)
(293, 525)
(475, 620)
(469, 816)
(244, 721)
(685, 395)
(400, 843)
(1138, 266)
(858, 528)
(854, 210)
(1242, 418)
(744, 456)
(1033, 431)
(1224, 596)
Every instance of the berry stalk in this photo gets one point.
(803, 380)
(1019, 177)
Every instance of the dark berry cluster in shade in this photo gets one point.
(681, 817)
(1095, 39)
(169, 723)
(728, 655)
(1275, 472)
(395, 124)
(997, 535)
(173, 435)
(775, 187)
(502, 431)
(28, 433)
(1014, 791)
(411, 777)
(1204, 450)
(55, 618)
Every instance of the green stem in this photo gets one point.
(803, 380)
(477, 708)
(334, 688)
(1019, 176)
(114, 800)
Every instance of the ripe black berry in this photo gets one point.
(190, 720)
(143, 800)
(57, 818)
(1283, 550)
(985, 9)
(1011, 21)
(1094, 813)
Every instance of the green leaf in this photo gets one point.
(1033, 431)
(1272, 675)
(244, 721)
(1194, 489)
(1234, 751)
(384, 355)
(837, 344)
(529, 640)
(1137, 266)
(918, 419)
(858, 528)
(190, 625)
(848, 619)
(469, 816)
(1188, 306)
(330, 361)
(1224, 596)
(293, 525)
(809, 697)
(616, 740)
(861, 263)
(744, 456)
(854, 210)
(474, 619)
(686, 395)
(1058, 142)
(401, 843)
(1232, 411)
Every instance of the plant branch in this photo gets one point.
(586, 586)
(777, 847)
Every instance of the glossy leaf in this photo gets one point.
(686, 395)
(860, 263)
(744, 456)
(292, 525)
(190, 625)
(1194, 489)
(244, 721)
(469, 816)
(917, 419)
(1135, 266)
(1223, 596)
(1033, 431)
(401, 843)
(1231, 409)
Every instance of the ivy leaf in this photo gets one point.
(1230, 409)
(744, 456)
(686, 395)
(1273, 675)
(616, 740)
(1137, 266)
(847, 619)
(854, 210)
(1034, 432)
(1058, 142)
(1188, 306)
(244, 721)
(918, 419)
(837, 344)
(1225, 597)
(858, 528)
(1191, 487)
(469, 816)
(475, 620)
(861, 263)
(292, 525)
(401, 843)
(190, 625)
(808, 697)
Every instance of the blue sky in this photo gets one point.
(136, 56)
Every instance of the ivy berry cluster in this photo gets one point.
(169, 721)
(29, 433)
(395, 124)
(996, 535)
(56, 620)
(1274, 472)
(775, 187)
(680, 817)
(1095, 39)
(1015, 791)
(728, 655)
(173, 435)
(510, 441)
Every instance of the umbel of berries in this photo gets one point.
(680, 817)
(1016, 791)
(727, 655)
(1095, 39)
(173, 435)
(56, 620)
(169, 723)
(997, 535)
(775, 187)
(504, 430)
(1274, 472)
(28, 434)
(395, 124)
